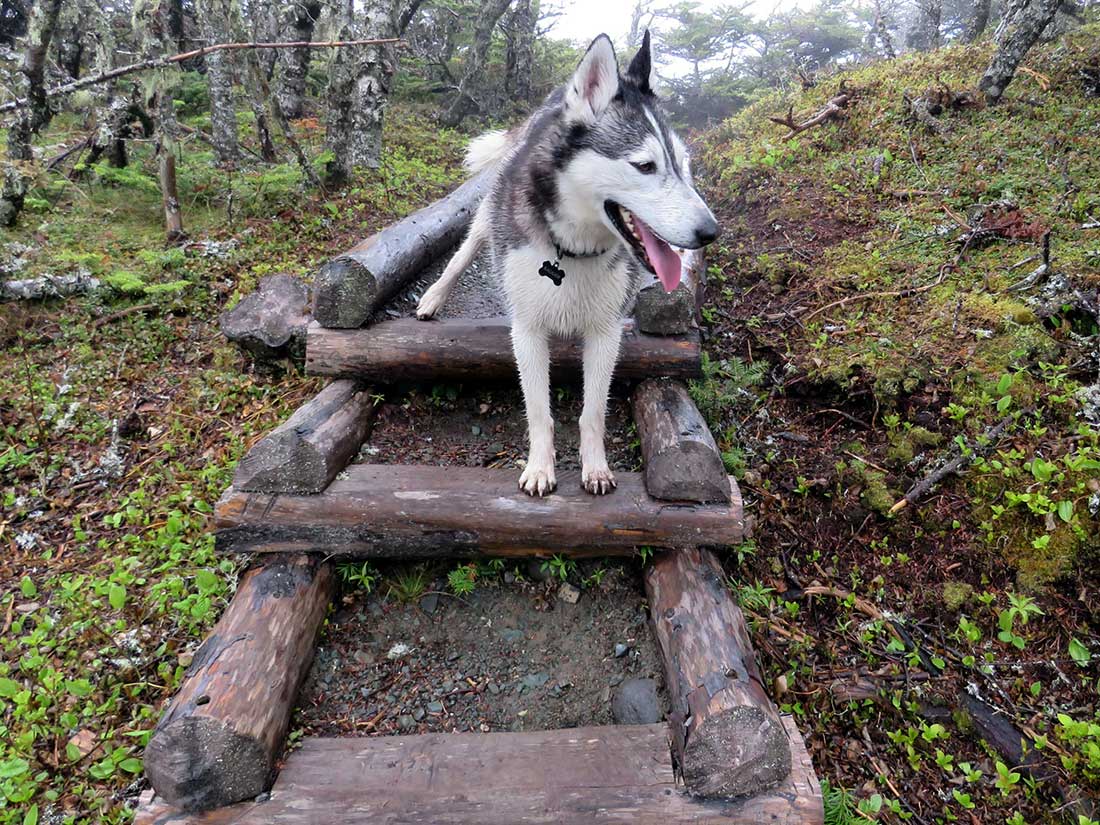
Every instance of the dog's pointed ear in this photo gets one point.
(641, 70)
(595, 82)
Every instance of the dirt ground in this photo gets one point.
(512, 655)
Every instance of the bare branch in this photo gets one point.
(159, 62)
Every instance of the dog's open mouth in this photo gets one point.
(652, 250)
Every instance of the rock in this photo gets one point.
(621, 650)
(398, 650)
(406, 722)
(418, 714)
(435, 707)
(510, 634)
(270, 324)
(661, 313)
(635, 702)
(568, 593)
(429, 603)
(536, 573)
(535, 680)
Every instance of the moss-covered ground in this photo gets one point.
(869, 320)
(119, 430)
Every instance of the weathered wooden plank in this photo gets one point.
(306, 452)
(392, 511)
(219, 738)
(726, 733)
(619, 775)
(350, 287)
(405, 349)
(682, 462)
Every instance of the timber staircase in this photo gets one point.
(726, 756)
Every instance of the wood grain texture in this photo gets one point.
(350, 287)
(673, 313)
(392, 511)
(305, 453)
(220, 736)
(681, 460)
(726, 733)
(617, 775)
(405, 349)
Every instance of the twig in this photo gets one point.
(963, 459)
(898, 293)
(122, 313)
(831, 110)
(160, 62)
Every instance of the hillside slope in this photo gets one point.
(873, 316)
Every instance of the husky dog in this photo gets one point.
(592, 186)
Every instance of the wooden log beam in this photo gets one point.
(219, 738)
(350, 287)
(615, 775)
(306, 452)
(658, 312)
(405, 349)
(727, 735)
(401, 511)
(682, 462)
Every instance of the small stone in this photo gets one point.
(418, 714)
(494, 688)
(398, 650)
(406, 722)
(185, 659)
(435, 707)
(568, 593)
(429, 603)
(510, 634)
(264, 797)
(476, 430)
(448, 686)
(636, 703)
(509, 578)
(535, 680)
(496, 448)
(621, 650)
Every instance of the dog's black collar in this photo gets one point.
(553, 270)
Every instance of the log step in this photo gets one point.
(592, 776)
(405, 349)
(401, 511)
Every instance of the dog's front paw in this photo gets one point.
(599, 481)
(538, 479)
(430, 303)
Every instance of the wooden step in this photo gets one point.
(611, 775)
(395, 511)
(405, 349)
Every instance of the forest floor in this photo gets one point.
(845, 361)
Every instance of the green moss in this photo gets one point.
(905, 444)
(1039, 567)
(126, 282)
(956, 594)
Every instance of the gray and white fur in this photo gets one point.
(597, 183)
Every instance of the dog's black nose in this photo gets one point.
(706, 233)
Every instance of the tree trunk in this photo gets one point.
(882, 32)
(301, 21)
(1008, 16)
(975, 26)
(473, 73)
(925, 34)
(111, 110)
(152, 21)
(215, 24)
(521, 50)
(264, 30)
(17, 177)
(339, 118)
(372, 83)
(1026, 28)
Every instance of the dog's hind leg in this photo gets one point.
(601, 351)
(436, 295)
(532, 349)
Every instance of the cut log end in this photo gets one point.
(738, 751)
(658, 312)
(201, 763)
(345, 293)
(693, 472)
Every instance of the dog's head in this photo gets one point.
(620, 153)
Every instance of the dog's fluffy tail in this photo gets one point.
(487, 150)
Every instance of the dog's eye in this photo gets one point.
(647, 168)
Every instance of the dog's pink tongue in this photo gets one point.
(664, 260)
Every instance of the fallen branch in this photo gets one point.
(832, 110)
(122, 313)
(955, 465)
(48, 286)
(161, 62)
